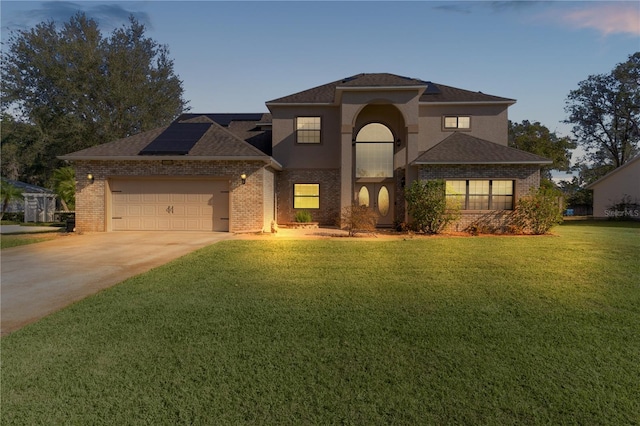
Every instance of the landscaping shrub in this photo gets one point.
(17, 217)
(357, 218)
(428, 206)
(539, 211)
(303, 216)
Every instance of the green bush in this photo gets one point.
(303, 216)
(540, 210)
(13, 217)
(428, 206)
(357, 218)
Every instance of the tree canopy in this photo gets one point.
(538, 139)
(605, 113)
(68, 88)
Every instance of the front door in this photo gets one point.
(379, 197)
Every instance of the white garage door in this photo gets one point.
(169, 205)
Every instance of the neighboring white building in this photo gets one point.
(623, 182)
(38, 205)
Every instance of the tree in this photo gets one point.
(8, 193)
(538, 139)
(77, 88)
(22, 151)
(575, 193)
(605, 112)
(64, 185)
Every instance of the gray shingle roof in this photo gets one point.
(453, 94)
(121, 148)
(326, 94)
(28, 188)
(461, 148)
(217, 141)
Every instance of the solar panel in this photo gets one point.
(432, 89)
(223, 119)
(177, 139)
(226, 119)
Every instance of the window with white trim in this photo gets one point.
(456, 122)
(478, 194)
(306, 195)
(308, 129)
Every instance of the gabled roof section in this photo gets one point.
(220, 142)
(326, 94)
(121, 148)
(177, 139)
(629, 164)
(215, 143)
(380, 80)
(461, 148)
(432, 92)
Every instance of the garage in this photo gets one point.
(165, 204)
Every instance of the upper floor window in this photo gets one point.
(457, 122)
(308, 129)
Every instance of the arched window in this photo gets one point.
(374, 151)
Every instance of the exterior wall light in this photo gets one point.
(90, 178)
(244, 178)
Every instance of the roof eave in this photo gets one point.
(421, 163)
(268, 160)
(296, 104)
(381, 88)
(440, 103)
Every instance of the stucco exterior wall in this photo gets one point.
(293, 155)
(329, 180)
(246, 203)
(489, 122)
(611, 189)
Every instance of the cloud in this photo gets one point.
(607, 18)
(468, 7)
(108, 16)
(454, 7)
(512, 5)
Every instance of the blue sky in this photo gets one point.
(234, 56)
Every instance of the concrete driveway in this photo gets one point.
(39, 279)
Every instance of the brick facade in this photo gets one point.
(329, 180)
(246, 204)
(525, 177)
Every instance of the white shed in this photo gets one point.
(621, 183)
(38, 205)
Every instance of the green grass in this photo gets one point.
(10, 240)
(477, 330)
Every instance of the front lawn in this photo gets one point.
(469, 330)
(8, 241)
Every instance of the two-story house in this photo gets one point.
(360, 140)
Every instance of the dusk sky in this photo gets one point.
(235, 56)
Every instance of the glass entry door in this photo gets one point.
(379, 197)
